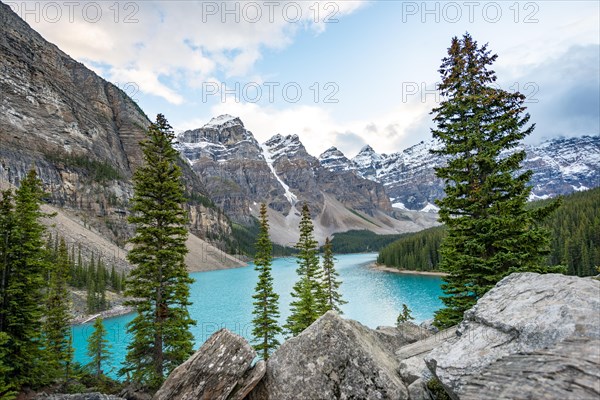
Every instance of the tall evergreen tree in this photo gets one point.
(331, 282)
(266, 301)
(7, 388)
(56, 326)
(159, 284)
(7, 225)
(308, 290)
(24, 267)
(490, 232)
(98, 347)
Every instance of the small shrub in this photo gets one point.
(437, 390)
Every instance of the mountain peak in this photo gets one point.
(331, 150)
(367, 150)
(289, 145)
(224, 121)
(334, 160)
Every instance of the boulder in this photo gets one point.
(332, 359)
(524, 313)
(412, 369)
(428, 324)
(398, 336)
(411, 357)
(135, 391)
(569, 370)
(418, 390)
(221, 369)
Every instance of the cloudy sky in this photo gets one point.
(340, 73)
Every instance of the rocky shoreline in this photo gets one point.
(529, 337)
(115, 311)
(384, 268)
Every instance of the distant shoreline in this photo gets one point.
(380, 267)
(115, 311)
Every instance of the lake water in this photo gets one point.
(222, 299)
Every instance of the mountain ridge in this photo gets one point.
(80, 132)
(560, 166)
(241, 173)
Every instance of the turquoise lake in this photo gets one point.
(222, 299)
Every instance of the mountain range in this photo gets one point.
(378, 192)
(560, 166)
(239, 173)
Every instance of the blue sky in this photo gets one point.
(361, 76)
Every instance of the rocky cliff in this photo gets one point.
(240, 173)
(560, 166)
(79, 132)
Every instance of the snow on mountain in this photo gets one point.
(368, 163)
(280, 145)
(335, 161)
(239, 173)
(223, 121)
(223, 138)
(266, 151)
(560, 166)
(430, 208)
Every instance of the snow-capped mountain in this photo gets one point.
(239, 174)
(334, 160)
(560, 166)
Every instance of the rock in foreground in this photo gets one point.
(78, 396)
(334, 359)
(569, 370)
(219, 370)
(522, 322)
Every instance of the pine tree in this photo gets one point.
(98, 347)
(56, 326)
(7, 224)
(101, 279)
(331, 283)
(24, 267)
(159, 283)
(266, 301)
(69, 355)
(404, 316)
(7, 388)
(490, 232)
(91, 300)
(308, 291)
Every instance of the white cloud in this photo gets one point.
(147, 81)
(175, 41)
(318, 129)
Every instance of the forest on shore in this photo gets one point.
(574, 243)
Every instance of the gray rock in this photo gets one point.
(428, 324)
(219, 370)
(396, 337)
(569, 370)
(249, 381)
(78, 396)
(135, 391)
(332, 359)
(412, 369)
(411, 357)
(418, 391)
(524, 313)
